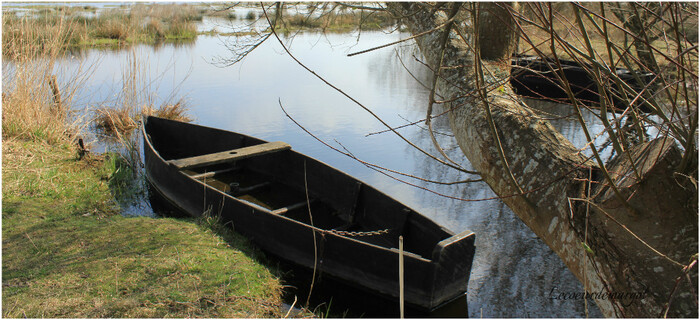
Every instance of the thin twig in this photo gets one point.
(377, 168)
(291, 307)
(431, 97)
(369, 165)
(360, 104)
(685, 271)
(404, 40)
(32, 241)
(313, 230)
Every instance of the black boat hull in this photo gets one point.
(535, 77)
(439, 274)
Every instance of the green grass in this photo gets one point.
(100, 42)
(67, 253)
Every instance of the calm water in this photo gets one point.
(513, 271)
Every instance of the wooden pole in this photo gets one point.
(401, 298)
(56, 92)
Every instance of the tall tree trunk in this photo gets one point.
(514, 150)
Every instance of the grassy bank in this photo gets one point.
(79, 27)
(67, 253)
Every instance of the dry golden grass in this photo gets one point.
(111, 27)
(114, 121)
(121, 117)
(24, 38)
(571, 37)
(35, 104)
(177, 111)
(123, 121)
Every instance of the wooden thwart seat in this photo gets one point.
(292, 207)
(277, 211)
(250, 189)
(230, 155)
(211, 174)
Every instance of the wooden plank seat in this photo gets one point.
(240, 191)
(292, 207)
(229, 155)
(277, 211)
(211, 174)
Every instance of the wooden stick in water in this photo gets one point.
(401, 276)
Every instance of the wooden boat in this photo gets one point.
(535, 77)
(261, 189)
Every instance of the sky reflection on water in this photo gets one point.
(513, 272)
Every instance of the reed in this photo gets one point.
(174, 21)
(113, 27)
(176, 111)
(24, 37)
(28, 111)
(36, 102)
(123, 121)
(115, 121)
(163, 12)
(121, 117)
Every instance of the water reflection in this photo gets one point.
(513, 271)
(563, 118)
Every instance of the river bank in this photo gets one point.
(68, 253)
(67, 250)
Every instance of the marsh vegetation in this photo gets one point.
(71, 28)
(67, 250)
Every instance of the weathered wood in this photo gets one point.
(401, 276)
(56, 92)
(251, 188)
(254, 205)
(212, 173)
(291, 207)
(229, 155)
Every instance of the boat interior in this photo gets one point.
(271, 178)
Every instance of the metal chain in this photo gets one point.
(359, 233)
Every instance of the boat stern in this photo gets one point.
(452, 259)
